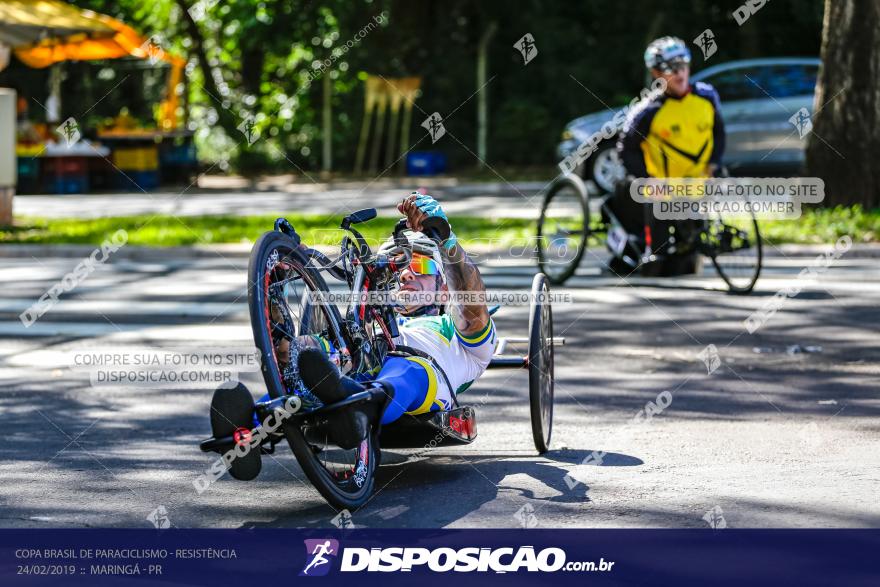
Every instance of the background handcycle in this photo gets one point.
(288, 298)
(570, 216)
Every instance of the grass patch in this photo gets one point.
(822, 225)
(825, 225)
(315, 229)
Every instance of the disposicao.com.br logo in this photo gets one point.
(443, 559)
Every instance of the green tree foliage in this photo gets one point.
(260, 54)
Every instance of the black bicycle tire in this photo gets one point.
(539, 326)
(734, 289)
(578, 184)
(315, 472)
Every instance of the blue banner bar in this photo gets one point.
(440, 557)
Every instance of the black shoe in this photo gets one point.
(320, 376)
(671, 265)
(348, 426)
(619, 267)
(684, 264)
(652, 268)
(353, 423)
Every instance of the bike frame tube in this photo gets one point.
(357, 286)
(508, 363)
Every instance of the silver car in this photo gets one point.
(758, 97)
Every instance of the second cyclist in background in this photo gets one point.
(678, 134)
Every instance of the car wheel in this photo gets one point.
(605, 167)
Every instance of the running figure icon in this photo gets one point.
(320, 550)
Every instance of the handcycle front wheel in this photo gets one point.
(540, 363)
(288, 299)
(563, 228)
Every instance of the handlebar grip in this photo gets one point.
(437, 229)
(283, 225)
(399, 239)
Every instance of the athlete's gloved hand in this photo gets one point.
(429, 207)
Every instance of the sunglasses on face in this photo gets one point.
(422, 265)
(674, 67)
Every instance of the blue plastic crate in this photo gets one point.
(28, 167)
(425, 163)
(69, 184)
(135, 181)
(179, 155)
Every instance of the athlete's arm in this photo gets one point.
(629, 147)
(719, 135)
(463, 276)
(470, 315)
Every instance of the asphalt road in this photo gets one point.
(224, 197)
(783, 433)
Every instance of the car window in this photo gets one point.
(785, 81)
(751, 83)
(733, 84)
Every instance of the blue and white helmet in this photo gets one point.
(420, 244)
(666, 53)
(424, 246)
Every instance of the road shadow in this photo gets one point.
(441, 489)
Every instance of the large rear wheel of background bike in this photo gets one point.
(285, 303)
(563, 228)
(734, 245)
(541, 364)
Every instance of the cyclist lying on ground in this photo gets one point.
(452, 349)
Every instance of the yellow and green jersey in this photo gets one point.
(463, 358)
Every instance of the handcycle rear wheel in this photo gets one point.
(734, 246)
(563, 228)
(540, 363)
(281, 293)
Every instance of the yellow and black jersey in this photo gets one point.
(674, 137)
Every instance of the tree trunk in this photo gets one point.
(327, 124)
(843, 145)
(483, 93)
